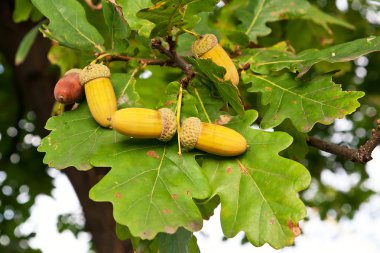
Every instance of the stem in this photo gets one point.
(129, 80)
(178, 118)
(99, 57)
(361, 155)
(203, 107)
(196, 35)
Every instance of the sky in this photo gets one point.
(358, 235)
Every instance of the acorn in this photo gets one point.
(100, 94)
(211, 138)
(207, 47)
(68, 89)
(145, 123)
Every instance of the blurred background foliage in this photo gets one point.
(338, 187)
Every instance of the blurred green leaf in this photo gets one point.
(68, 24)
(304, 103)
(26, 44)
(22, 11)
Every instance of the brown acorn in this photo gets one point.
(68, 89)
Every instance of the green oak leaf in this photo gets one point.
(197, 101)
(151, 85)
(314, 14)
(194, 9)
(304, 103)
(150, 186)
(67, 58)
(23, 10)
(166, 15)
(258, 190)
(214, 73)
(202, 100)
(68, 24)
(268, 59)
(299, 148)
(117, 25)
(256, 13)
(175, 243)
(75, 136)
(130, 9)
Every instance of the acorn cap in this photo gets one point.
(204, 44)
(73, 71)
(169, 124)
(190, 131)
(94, 71)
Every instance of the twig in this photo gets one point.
(361, 155)
(176, 58)
(144, 61)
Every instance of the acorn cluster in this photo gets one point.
(94, 81)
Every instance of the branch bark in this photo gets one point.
(361, 155)
(171, 52)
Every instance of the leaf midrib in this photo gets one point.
(68, 21)
(253, 22)
(293, 93)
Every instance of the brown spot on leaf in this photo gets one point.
(170, 102)
(118, 195)
(292, 4)
(271, 221)
(166, 211)
(153, 154)
(195, 226)
(146, 235)
(187, 192)
(306, 128)
(170, 230)
(223, 119)
(229, 170)
(174, 196)
(294, 228)
(267, 88)
(341, 113)
(273, 14)
(294, 102)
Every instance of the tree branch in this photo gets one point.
(147, 61)
(361, 155)
(176, 58)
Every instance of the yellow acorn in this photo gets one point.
(211, 138)
(145, 123)
(207, 47)
(99, 92)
